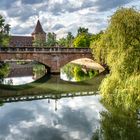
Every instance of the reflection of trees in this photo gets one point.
(9, 82)
(4, 71)
(118, 124)
(1, 102)
(78, 72)
(39, 70)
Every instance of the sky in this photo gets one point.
(60, 16)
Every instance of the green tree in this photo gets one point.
(66, 42)
(4, 32)
(39, 43)
(51, 39)
(82, 30)
(119, 48)
(95, 37)
(4, 70)
(62, 42)
(82, 41)
(69, 40)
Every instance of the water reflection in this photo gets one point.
(81, 116)
(51, 84)
(4, 71)
(119, 124)
(67, 111)
(75, 118)
(18, 80)
(20, 72)
(75, 73)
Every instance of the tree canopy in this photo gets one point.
(82, 30)
(66, 42)
(51, 39)
(4, 32)
(119, 48)
(82, 39)
(4, 70)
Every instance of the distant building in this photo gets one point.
(27, 41)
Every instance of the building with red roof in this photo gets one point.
(27, 41)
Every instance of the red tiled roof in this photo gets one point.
(21, 41)
(38, 29)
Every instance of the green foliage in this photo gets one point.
(68, 69)
(82, 41)
(78, 72)
(39, 43)
(85, 39)
(96, 135)
(50, 42)
(51, 39)
(69, 40)
(119, 124)
(119, 48)
(95, 37)
(4, 32)
(62, 42)
(39, 70)
(1, 102)
(4, 70)
(66, 42)
(82, 30)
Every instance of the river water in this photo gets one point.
(64, 119)
(53, 109)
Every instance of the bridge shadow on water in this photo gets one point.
(50, 87)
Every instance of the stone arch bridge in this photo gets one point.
(53, 58)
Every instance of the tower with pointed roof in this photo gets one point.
(38, 36)
(39, 33)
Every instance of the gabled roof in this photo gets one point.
(38, 29)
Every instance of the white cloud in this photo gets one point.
(92, 14)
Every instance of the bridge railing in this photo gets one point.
(47, 96)
(43, 49)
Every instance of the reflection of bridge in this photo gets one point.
(49, 87)
(9, 99)
(53, 58)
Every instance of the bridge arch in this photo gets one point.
(53, 58)
(71, 58)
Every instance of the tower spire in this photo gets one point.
(38, 28)
(38, 33)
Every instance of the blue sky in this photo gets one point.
(60, 16)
